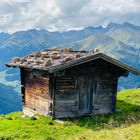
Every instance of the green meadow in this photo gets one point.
(122, 125)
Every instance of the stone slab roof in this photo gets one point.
(59, 59)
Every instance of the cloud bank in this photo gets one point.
(62, 15)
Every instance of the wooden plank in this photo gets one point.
(66, 114)
(62, 96)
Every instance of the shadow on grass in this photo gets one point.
(129, 114)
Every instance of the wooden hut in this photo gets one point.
(66, 83)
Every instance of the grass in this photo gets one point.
(124, 124)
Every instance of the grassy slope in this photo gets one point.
(124, 124)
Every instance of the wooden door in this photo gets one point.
(85, 90)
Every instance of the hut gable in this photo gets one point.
(63, 83)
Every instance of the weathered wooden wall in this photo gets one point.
(87, 88)
(65, 97)
(73, 95)
(105, 94)
(36, 92)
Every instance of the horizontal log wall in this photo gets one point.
(37, 93)
(104, 98)
(65, 97)
(99, 78)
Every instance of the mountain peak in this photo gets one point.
(113, 25)
(94, 28)
(4, 36)
(129, 25)
(124, 25)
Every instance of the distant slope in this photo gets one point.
(9, 99)
(127, 33)
(124, 124)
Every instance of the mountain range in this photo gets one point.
(120, 41)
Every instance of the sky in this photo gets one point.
(60, 15)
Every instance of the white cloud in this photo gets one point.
(63, 14)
